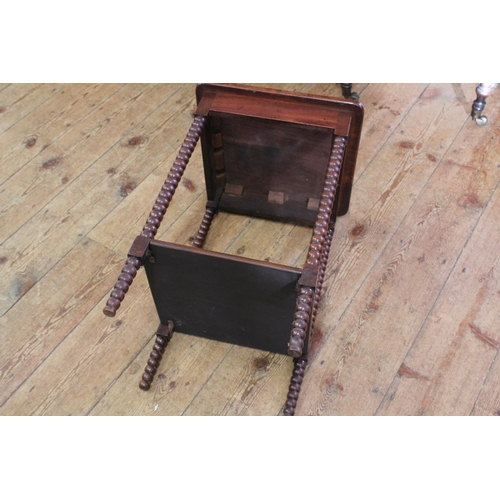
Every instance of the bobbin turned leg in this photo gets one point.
(199, 239)
(138, 250)
(313, 274)
(301, 318)
(172, 181)
(322, 271)
(482, 92)
(129, 271)
(295, 384)
(163, 336)
(316, 256)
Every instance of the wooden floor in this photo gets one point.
(409, 312)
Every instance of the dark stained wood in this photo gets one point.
(290, 107)
(267, 156)
(223, 297)
(278, 155)
(299, 368)
(170, 185)
(301, 322)
(317, 255)
(304, 113)
(204, 227)
(140, 245)
(163, 336)
(122, 285)
(321, 273)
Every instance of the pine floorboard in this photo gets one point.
(410, 303)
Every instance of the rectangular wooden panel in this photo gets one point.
(223, 297)
(291, 107)
(342, 117)
(267, 156)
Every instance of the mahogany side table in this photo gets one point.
(278, 155)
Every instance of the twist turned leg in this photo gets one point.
(482, 92)
(163, 336)
(295, 385)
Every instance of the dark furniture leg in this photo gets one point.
(300, 364)
(295, 384)
(136, 253)
(316, 255)
(482, 92)
(199, 239)
(322, 270)
(129, 271)
(163, 336)
(347, 91)
(317, 258)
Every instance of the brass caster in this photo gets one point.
(481, 120)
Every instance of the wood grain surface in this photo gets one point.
(407, 319)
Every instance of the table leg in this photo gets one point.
(163, 336)
(482, 92)
(204, 227)
(295, 384)
(316, 257)
(153, 222)
(347, 91)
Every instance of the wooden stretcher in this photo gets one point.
(276, 155)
